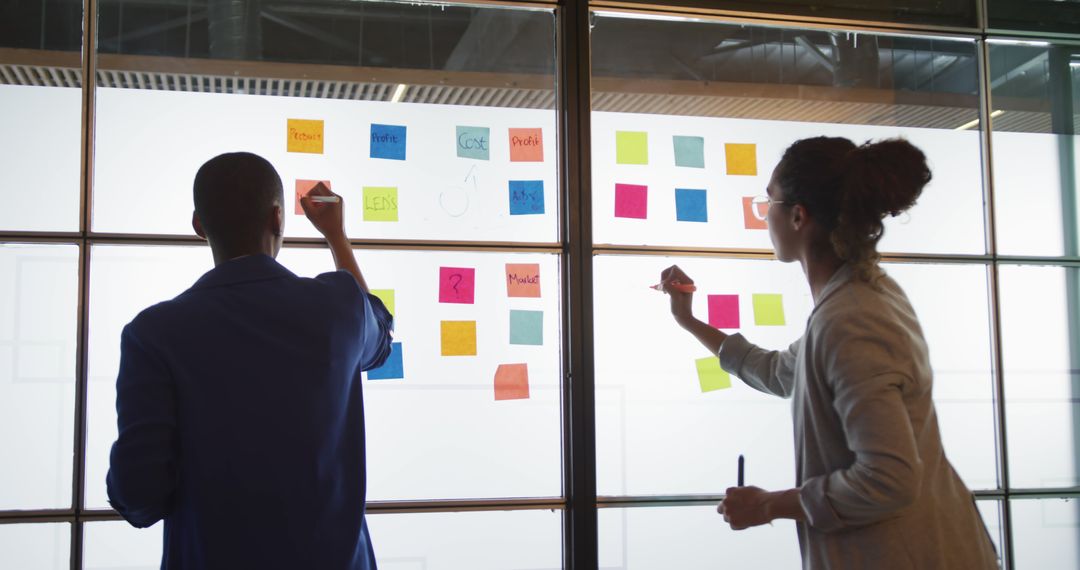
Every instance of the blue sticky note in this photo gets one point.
(690, 206)
(388, 141)
(526, 197)
(527, 327)
(392, 369)
(690, 151)
(474, 142)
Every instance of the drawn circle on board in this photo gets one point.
(454, 201)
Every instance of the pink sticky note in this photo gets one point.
(522, 279)
(302, 188)
(631, 201)
(724, 311)
(457, 285)
(526, 145)
(512, 382)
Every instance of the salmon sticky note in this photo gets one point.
(754, 217)
(458, 338)
(741, 159)
(710, 376)
(631, 201)
(305, 135)
(768, 310)
(302, 188)
(457, 285)
(387, 298)
(380, 204)
(522, 279)
(631, 147)
(526, 145)
(512, 382)
(724, 311)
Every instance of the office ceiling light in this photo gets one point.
(399, 93)
(975, 123)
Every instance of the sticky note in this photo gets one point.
(522, 279)
(387, 298)
(388, 141)
(526, 145)
(526, 197)
(631, 147)
(302, 188)
(458, 338)
(512, 382)
(304, 135)
(724, 311)
(768, 310)
(474, 142)
(741, 159)
(689, 151)
(631, 201)
(457, 285)
(393, 368)
(380, 204)
(690, 205)
(710, 376)
(754, 217)
(527, 327)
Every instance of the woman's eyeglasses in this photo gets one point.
(759, 205)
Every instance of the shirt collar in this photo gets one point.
(244, 269)
(842, 276)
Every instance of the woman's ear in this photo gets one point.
(800, 217)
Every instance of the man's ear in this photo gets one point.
(277, 221)
(196, 225)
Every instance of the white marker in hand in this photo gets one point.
(325, 199)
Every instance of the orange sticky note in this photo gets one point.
(526, 145)
(302, 188)
(741, 159)
(458, 338)
(512, 382)
(305, 136)
(754, 218)
(522, 279)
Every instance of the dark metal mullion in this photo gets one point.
(580, 543)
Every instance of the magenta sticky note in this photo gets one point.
(724, 311)
(457, 285)
(631, 201)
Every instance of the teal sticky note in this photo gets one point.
(527, 327)
(474, 142)
(690, 151)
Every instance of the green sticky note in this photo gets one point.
(710, 375)
(768, 310)
(527, 327)
(387, 298)
(690, 151)
(631, 147)
(380, 204)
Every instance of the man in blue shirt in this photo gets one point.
(239, 402)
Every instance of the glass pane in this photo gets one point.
(740, 95)
(37, 546)
(990, 511)
(1045, 533)
(1036, 117)
(39, 290)
(116, 544)
(490, 540)
(691, 538)
(41, 111)
(1040, 16)
(437, 122)
(1040, 344)
(409, 432)
(939, 12)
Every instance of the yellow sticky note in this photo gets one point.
(387, 298)
(741, 159)
(305, 136)
(710, 376)
(380, 204)
(631, 147)
(459, 338)
(768, 309)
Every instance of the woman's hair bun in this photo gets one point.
(886, 177)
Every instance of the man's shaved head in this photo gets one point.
(235, 195)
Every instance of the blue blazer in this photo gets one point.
(241, 419)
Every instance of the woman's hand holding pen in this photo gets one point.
(744, 507)
(679, 286)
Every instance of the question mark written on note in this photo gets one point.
(455, 280)
(457, 284)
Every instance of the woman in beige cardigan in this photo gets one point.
(874, 488)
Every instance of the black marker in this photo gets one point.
(740, 471)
